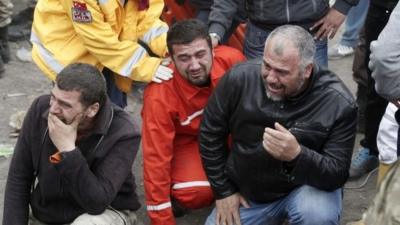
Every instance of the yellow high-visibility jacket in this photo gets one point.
(103, 33)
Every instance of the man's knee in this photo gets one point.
(313, 206)
(194, 197)
(108, 217)
(315, 216)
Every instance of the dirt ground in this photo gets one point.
(23, 82)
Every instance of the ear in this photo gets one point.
(308, 70)
(92, 110)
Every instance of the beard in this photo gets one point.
(276, 98)
(201, 80)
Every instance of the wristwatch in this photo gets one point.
(216, 36)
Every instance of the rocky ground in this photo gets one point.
(23, 82)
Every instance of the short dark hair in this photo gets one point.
(186, 31)
(85, 79)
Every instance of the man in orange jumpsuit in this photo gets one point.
(172, 112)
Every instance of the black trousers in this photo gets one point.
(376, 20)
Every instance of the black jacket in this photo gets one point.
(322, 118)
(386, 4)
(86, 180)
(269, 14)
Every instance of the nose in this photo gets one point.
(271, 77)
(54, 107)
(194, 64)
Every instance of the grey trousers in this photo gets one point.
(108, 217)
(5, 12)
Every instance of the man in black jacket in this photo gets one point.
(73, 158)
(292, 125)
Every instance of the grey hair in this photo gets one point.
(301, 39)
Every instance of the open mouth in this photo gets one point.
(275, 88)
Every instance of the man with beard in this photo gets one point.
(292, 125)
(173, 174)
(73, 159)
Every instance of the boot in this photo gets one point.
(4, 47)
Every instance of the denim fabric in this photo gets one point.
(354, 22)
(305, 205)
(255, 40)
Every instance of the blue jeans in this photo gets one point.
(305, 205)
(354, 22)
(255, 39)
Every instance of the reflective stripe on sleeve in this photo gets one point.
(191, 184)
(154, 33)
(47, 56)
(126, 71)
(192, 117)
(158, 207)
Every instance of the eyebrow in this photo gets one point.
(265, 63)
(196, 53)
(61, 101)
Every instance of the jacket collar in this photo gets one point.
(311, 82)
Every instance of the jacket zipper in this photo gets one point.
(307, 131)
(287, 11)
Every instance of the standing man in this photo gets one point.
(384, 65)
(366, 159)
(73, 159)
(172, 111)
(115, 36)
(293, 127)
(265, 15)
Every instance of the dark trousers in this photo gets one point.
(376, 20)
(116, 96)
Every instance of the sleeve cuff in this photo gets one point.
(342, 6)
(217, 28)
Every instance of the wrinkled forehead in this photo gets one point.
(191, 48)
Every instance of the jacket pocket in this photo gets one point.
(312, 136)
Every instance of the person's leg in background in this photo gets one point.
(254, 41)
(353, 24)
(321, 52)
(5, 19)
(20, 27)
(116, 96)
(360, 76)
(367, 159)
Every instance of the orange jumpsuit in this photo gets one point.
(171, 115)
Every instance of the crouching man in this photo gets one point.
(173, 174)
(73, 159)
(293, 126)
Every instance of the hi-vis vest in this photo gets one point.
(103, 33)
